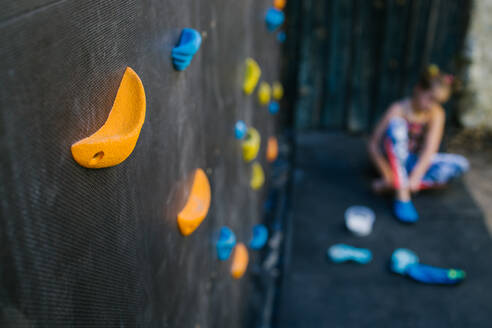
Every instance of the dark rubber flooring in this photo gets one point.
(332, 174)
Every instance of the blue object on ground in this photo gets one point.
(240, 129)
(405, 211)
(401, 259)
(342, 253)
(274, 18)
(260, 237)
(225, 243)
(437, 276)
(188, 45)
(273, 107)
(281, 36)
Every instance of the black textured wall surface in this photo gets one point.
(101, 248)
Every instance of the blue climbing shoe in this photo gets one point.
(260, 237)
(437, 276)
(225, 243)
(405, 211)
(343, 253)
(401, 259)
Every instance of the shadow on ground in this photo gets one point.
(330, 175)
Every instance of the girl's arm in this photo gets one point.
(431, 146)
(374, 144)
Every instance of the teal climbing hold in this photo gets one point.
(240, 129)
(273, 107)
(225, 243)
(274, 18)
(188, 45)
(259, 238)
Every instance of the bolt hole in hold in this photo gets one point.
(96, 158)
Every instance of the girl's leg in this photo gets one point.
(396, 147)
(443, 169)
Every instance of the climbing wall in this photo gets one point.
(101, 247)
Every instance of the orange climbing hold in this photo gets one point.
(279, 4)
(240, 261)
(116, 139)
(197, 206)
(272, 149)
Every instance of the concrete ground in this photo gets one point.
(332, 174)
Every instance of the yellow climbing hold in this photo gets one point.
(278, 90)
(251, 76)
(240, 261)
(116, 139)
(251, 144)
(264, 93)
(257, 176)
(197, 206)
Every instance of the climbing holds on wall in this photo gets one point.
(272, 149)
(189, 43)
(277, 90)
(279, 4)
(281, 36)
(274, 18)
(259, 238)
(257, 176)
(240, 261)
(197, 205)
(264, 93)
(273, 107)
(240, 129)
(251, 75)
(116, 139)
(251, 144)
(225, 243)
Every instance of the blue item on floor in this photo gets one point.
(260, 237)
(433, 275)
(405, 211)
(342, 253)
(401, 259)
(189, 43)
(225, 243)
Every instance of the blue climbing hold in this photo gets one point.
(273, 107)
(274, 18)
(260, 237)
(281, 36)
(405, 211)
(225, 243)
(240, 129)
(437, 276)
(188, 45)
(343, 253)
(401, 259)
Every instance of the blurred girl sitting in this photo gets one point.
(405, 142)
